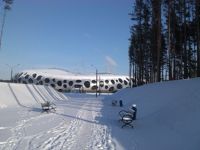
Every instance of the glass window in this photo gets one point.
(113, 82)
(93, 81)
(125, 82)
(30, 80)
(53, 85)
(47, 80)
(34, 75)
(111, 89)
(94, 87)
(87, 84)
(120, 80)
(78, 81)
(39, 78)
(119, 86)
(26, 77)
(70, 83)
(59, 83)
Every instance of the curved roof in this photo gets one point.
(61, 73)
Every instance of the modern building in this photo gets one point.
(65, 81)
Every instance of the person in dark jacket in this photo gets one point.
(135, 111)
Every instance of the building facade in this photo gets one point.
(65, 81)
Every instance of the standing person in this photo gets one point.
(135, 111)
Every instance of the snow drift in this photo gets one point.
(15, 95)
(168, 114)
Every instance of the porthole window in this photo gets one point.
(30, 80)
(120, 80)
(59, 83)
(53, 85)
(94, 87)
(26, 77)
(64, 81)
(78, 81)
(41, 82)
(125, 82)
(77, 86)
(65, 86)
(101, 83)
(87, 84)
(93, 81)
(34, 75)
(60, 90)
(47, 80)
(111, 89)
(106, 87)
(39, 78)
(107, 81)
(113, 82)
(119, 86)
(70, 83)
(54, 80)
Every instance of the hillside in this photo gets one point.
(168, 114)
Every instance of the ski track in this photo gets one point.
(66, 135)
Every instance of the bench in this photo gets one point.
(47, 106)
(127, 117)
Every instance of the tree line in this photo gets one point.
(164, 41)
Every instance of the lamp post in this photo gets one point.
(96, 78)
(11, 70)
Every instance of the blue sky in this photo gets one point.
(77, 35)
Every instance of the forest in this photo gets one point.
(164, 40)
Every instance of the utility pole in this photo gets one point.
(11, 70)
(7, 7)
(96, 80)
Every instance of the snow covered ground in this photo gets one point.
(168, 118)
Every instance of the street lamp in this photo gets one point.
(96, 78)
(11, 70)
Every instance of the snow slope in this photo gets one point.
(26, 95)
(168, 115)
(23, 125)
(168, 118)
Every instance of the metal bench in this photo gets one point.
(47, 106)
(127, 117)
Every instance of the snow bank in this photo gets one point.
(15, 95)
(168, 115)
